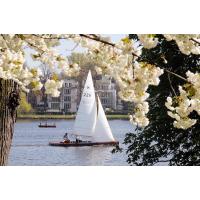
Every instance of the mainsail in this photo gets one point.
(86, 116)
(102, 131)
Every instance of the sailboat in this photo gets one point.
(91, 121)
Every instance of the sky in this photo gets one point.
(66, 47)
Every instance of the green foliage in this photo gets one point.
(24, 107)
(160, 141)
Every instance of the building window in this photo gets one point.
(104, 87)
(67, 91)
(67, 106)
(104, 101)
(55, 99)
(105, 94)
(67, 98)
(68, 85)
(55, 106)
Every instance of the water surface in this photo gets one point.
(30, 145)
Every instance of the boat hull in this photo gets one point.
(47, 126)
(81, 144)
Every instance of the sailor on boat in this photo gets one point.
(66, 139)
(78, 140)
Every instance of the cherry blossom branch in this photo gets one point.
(98, 39)
(49, 38)
(34, 46)
(89, 36)
(195, 41)
(105, 42)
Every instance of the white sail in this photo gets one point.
(86, 116)
(102, 131)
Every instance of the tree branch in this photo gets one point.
(163, 161)
(176, 75)
(168, 75)
(34, 46)
(49, 38)
(194, 40)
(96, 38)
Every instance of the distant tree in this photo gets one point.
(85, 62)
(24, 106)
(46, 74)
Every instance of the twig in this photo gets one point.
(97, 39)
(163, 161)
(168, 75)
(34, 46)
(195, 41)
(176, 75)
(76, 45)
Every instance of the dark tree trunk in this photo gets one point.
(9, 100)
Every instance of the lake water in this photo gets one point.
(30, 145)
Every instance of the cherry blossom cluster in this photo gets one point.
(148, 40)
(180, 107)
(52, 87)
(187, 43)
(144, 76)
(12, 67)
(12, 60)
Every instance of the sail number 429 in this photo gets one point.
(86, 94)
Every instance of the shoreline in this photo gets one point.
(110, 117)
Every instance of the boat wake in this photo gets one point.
(29, 145)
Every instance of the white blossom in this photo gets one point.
(52, 87)
(148, 40)
(187, 102)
